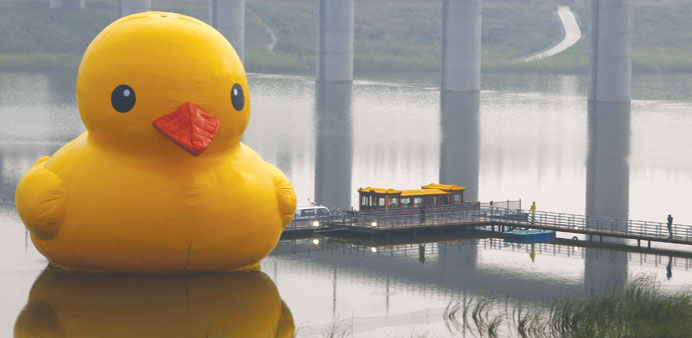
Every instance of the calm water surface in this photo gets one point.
(524, 137)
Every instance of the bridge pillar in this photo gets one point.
(333, 143)
(607, 191)
(128, 7)
(461, 45)
(607, 171)
(459, 148)
(610, 54)
(228, 17)
(334, 41)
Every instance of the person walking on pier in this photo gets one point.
(670, 226)
(533, 212)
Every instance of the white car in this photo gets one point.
(316, 213)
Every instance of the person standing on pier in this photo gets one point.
(670, 226)
(533, 212)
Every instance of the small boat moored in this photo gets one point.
(529, 236)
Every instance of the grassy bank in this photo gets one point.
(391, 37)
(639, 310)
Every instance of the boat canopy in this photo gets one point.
(432, 195)
(444, 187)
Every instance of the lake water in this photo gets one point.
(528, 137)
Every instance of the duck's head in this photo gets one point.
(163, 83)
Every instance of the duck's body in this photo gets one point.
(126, 196)
(136, 213)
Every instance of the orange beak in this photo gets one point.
(189, 127)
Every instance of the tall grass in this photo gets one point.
(639, 310)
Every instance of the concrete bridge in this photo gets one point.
(610, 51)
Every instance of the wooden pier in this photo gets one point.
(491, 219)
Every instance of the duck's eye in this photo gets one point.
(123, 98)
(237, 97)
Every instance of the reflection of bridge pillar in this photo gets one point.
(79, 4)
(334, 40)
(610, 54)
(459, 256)
(461, 45)
(128, 7)
(333, 154)
(228, 17)
(607, 190)
(459, 154)
(6, 188)
(603, 270)
(61, 86)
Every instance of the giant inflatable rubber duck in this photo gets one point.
(69, 304)
(159, 182)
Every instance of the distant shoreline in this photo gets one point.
(390, 37)
(41, 62)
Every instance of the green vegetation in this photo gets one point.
(404, 36)
(639, 310)
(391, 37)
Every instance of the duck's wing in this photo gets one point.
(40, 199)
(284, 193)
(286, 327)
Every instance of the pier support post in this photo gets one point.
(610, 53)
(461, 45)
(128, 7)
(334, 40)
(228, 17)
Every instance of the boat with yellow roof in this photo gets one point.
(433, 195)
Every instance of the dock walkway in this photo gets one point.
(495, 219)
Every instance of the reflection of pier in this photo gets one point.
(451, 266)
(455, 267)
(416, 250)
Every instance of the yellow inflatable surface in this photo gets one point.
(69, 304)
(159, 182)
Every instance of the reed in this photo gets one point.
(639, 310)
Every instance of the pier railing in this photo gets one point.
(483, 215)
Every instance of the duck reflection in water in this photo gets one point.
(75, 304)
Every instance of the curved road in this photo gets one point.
(572, 35)
(272, 36)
